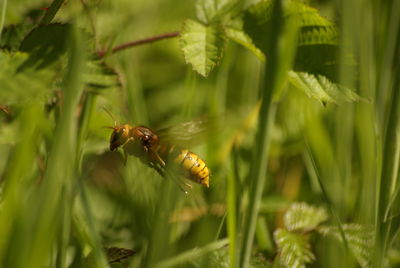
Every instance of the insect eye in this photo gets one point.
(114, 137)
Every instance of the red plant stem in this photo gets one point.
(139, 42)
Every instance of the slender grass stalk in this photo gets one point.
(218, 95)
(16, 180)
(263, 236)
(365, 117)
(259, 176)
(343, 143)
(392, 90)
(232, 210)
(192, 254)
(220, 227)
(389, 164)
(267, 115)
(392, 206)
(135, 100)
(328, 201)
(98, 254)
(65, 228)
(51, 12)
(161, 228)
(281, 48)
(94, 239)
(3, 16)
(83, 127)
(61, 165)
(191, 87)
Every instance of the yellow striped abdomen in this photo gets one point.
(193, 167)
(188, 163)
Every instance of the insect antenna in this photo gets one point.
(111, 115)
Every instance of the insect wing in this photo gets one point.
(232, 125)
(186, 134)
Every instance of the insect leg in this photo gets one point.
(163, 170)
(156, 155)
(157, 168)
(125, 152)
(185, 187)
(125, 157)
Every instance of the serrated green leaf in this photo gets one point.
(208, 11)
(317, 35)
(243, 39)
(359, 238)
(317, 38)
(315, 29)
(259, 261)
(201, 45)
(220, 259)
(45, 45)
(321, 88)
(12, 36)
(294, 249)
(99, 76)
(304, 14)
(22, 86)
(117, 255)
(303, 217)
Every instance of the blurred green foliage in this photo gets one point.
(302, 106)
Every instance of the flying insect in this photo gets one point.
(154, 149)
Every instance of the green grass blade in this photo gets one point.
(51, 12)
(192, 254)
(83, 127)
(60, 170)
(328, 201)
(389, 164)
(159, 239)
(267, 114)
(3, 16)
(264, 241)
(17, 178)
(388, 86)
(98, 259)
(232, 210)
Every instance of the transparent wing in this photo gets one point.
(186, 134)
(227, 128)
